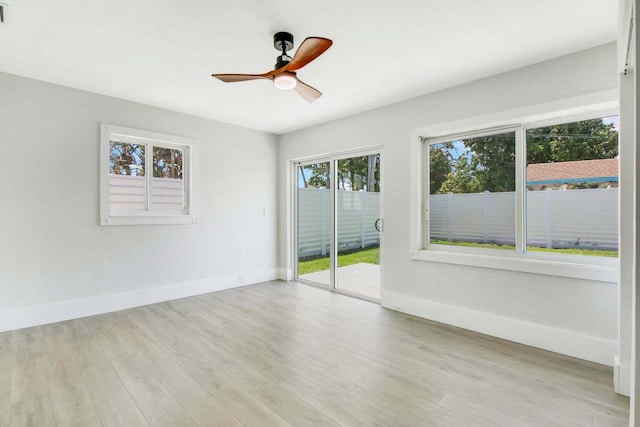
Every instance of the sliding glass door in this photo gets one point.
(314, 220)
(358, 225)
(338, 223)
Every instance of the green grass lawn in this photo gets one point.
(311, 265)
(568, 251)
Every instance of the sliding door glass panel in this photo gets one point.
(357, 225)
(314, 223)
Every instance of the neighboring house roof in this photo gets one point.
(571, 172)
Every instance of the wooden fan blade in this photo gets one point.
(307, 92)
(310, 49)
(230, 78)
(272, 73)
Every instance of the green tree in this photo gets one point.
(463, 178)
(167, 163)
(319, 175)
(490, 160)
(126, 159)
(493, 161)
(583, 140)
(354, 173)
(439, 166)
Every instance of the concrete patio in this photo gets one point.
(361, 279)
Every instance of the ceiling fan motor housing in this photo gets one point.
(283, 42)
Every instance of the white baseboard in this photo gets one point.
(621, 377)
(57, 312)
(562, 341)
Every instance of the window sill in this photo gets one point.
(148, 220)
(599, 269)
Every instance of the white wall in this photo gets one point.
(575, 316)
(629, 353)
(628, 196)
(57, 262)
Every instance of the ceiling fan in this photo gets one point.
(284, 75)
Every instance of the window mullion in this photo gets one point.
(186, 172)
(149, 173)
(520, 211)
(424, 208)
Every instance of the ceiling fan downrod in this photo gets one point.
(282, 41)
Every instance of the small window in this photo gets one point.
(472, 199)
(146, 178)
(572, 187)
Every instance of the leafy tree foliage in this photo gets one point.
(493, 161)
(126, 159)
(167, 163)
(354, 173)
(584, 140)
(129, 159)
(440, 163)
(462, 179)
(319, 175)
(488, 163)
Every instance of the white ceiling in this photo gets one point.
(162, 52)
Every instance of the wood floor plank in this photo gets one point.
(70, 398)
(203, 408)
(112, 400)
(416, 328)
(478, 412)
(154, 401)
(413, 329)
(30, 397)
(573, 414)
(5, 379)
(249, 410)
(287, 405)
(324, 377)
(419, 399)
(281, 354)
(321, 388)
(403, 392)
(561, 416)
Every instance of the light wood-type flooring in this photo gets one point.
(278, 354)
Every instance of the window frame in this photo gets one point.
(150, 140)
(564, 265)
(427, 142)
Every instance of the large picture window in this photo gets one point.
(146, 177)
(549, 187)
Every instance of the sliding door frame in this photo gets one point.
(295, 167)
(333, 251)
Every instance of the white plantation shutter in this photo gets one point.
(127, 193)
(167, 194)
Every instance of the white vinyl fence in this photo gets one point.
(357, 214)
(586, 218)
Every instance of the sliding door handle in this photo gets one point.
(378, 224)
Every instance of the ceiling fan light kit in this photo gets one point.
(286, 80)
(284, 75)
